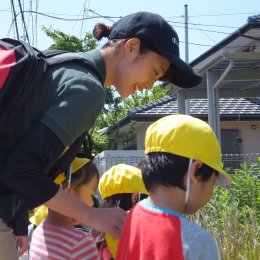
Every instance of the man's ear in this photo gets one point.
(194, 168)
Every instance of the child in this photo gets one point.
(121, 186)
(181, 167)
(56, 237)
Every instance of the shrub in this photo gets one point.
(233, 214)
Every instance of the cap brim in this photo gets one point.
(223, 179)
(180, 73)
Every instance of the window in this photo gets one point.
(231, 141)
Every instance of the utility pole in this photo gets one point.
(187, 101)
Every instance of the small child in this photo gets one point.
(181, 167)
(56, 237)
(121, 186)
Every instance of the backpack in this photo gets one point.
(21, 69)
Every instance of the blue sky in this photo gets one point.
(210, 21)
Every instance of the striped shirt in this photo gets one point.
(61, 243)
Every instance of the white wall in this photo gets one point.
(140, 133)
(109, 158)
(250, 137)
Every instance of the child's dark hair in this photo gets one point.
(83, 175)
(122, 200)
(103, 31)
(168, 169)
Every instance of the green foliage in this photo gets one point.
(233, 214)
(117, 108)
(67, 42)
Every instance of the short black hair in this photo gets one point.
(160, 168)
(83, 175)
(122, 200)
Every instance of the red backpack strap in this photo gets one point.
(7, 60)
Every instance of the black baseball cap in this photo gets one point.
(153, 29)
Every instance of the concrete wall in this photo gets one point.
(250, 137)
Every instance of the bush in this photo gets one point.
(233, 214)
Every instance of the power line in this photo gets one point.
(204, 15)
(193, 28)
(70, 19)
(101, 16)
(78, 16)
(23, 21)
(15, 20)
(203, 31)
(110, 18)
(209, 25)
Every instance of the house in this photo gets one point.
(228, 98)
(230, 69)
(239, 120)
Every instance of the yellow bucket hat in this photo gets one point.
(121, 178)
(76, 164)
(41, 212)
(188, 137)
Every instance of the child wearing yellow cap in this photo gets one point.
(56, 237)
(121, 186)
(181, 167)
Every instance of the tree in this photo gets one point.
(119, 110)
(67, 42)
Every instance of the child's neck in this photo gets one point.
(168, 198)
(57, 219)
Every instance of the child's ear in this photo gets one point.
(66, 189)
(135, 197)
(194, 168)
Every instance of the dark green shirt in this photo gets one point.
(68, 101)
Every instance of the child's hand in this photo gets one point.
(108, 220)
(22, 242)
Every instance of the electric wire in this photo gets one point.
(203, 31)
(23, 21)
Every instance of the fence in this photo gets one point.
(234, 161)
(107, 159)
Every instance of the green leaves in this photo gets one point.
(67, 42)
(116, 109)
(233, 214)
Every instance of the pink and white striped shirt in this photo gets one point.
(61, 242)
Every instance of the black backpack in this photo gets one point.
(21, 69)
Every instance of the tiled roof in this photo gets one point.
(230, 109)
(228, 106)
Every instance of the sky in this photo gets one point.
(210, 21)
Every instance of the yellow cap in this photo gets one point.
(188, 137)
(40, 213)
(75, 165)
(112, 244)
(121, 178)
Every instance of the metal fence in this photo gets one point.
(234, 161)
(105, 161)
